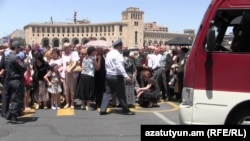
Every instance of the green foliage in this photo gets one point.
(21, 41)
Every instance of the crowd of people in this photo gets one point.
(37, 77)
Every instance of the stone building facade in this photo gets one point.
(132, 29)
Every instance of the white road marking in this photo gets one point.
(165, 119)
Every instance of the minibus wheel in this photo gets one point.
(241, 117)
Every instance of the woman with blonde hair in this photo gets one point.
(69, 57)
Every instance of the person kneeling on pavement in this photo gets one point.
(149, 94)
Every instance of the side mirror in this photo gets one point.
(211, 40)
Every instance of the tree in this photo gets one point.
(21, 40)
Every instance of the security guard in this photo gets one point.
(13, 82)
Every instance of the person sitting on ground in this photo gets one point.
(149, 94)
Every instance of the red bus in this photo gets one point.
(217, 69)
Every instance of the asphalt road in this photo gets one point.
(81, 125)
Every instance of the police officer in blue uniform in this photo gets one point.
(13, 91)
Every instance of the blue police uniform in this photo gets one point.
(13, 84)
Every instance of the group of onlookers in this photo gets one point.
(45, 76)
(159, 74)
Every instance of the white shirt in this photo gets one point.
(73, 56)
(59, 63)
(153, 61)
(114, 63)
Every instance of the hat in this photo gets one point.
(66, 44)
(117, 42)
(15, 44)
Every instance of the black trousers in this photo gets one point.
(161, 75)
(5, 99)
(15, 90)
(115, 84)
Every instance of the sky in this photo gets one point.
(177, 15)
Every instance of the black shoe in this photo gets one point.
(103, 113)
(13, 120)
(128, 113)
(3, 116)
(8, 115)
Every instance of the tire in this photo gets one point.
(241, 117)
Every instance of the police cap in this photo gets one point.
(15, 44)
(117, 42)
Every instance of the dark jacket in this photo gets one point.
(14, 67)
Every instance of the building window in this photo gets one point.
(91, 29)
(96, 29)
(136, 23)
(136, 37)
(120, 28)
(43, 30)
(53, 30)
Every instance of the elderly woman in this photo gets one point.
(86, 85)
(69, 57)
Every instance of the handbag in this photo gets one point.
(77, 68)
(130, 93)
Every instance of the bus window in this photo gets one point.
(232, 31)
